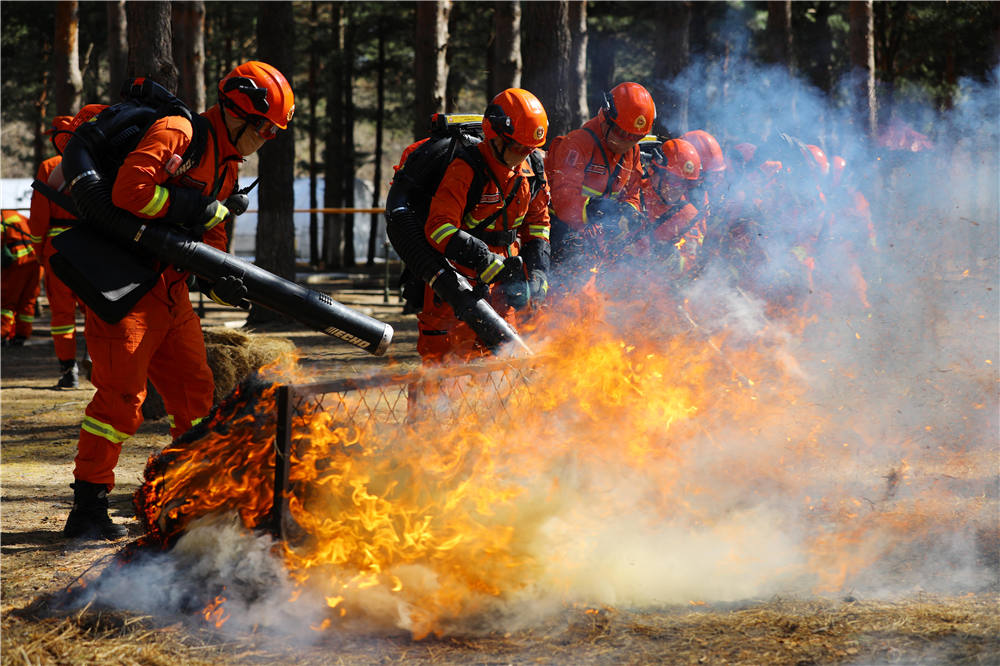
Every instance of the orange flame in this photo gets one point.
(441, 520)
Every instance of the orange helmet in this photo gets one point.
(678, 157)
(630, 108)
(819, 159)
(59, 123)
(517, 115)
(61, 134)
(258, 93)
(837, 166)
(708, 149)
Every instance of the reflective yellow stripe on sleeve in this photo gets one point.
(443, 233)
(156, 204)
(539, 230)
(492, 271)
(95, 427)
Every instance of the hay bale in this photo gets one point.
(234, 355)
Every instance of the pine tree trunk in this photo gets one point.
(117, 47)
(333, 190)
(862, 49)
(189, 51)
(779, 32)
(430, 64)
(373, 228)
(314, 50)
(578, 63)
(506, 48)
(66, 62)
(150, 53)
(546, 53)
(275, 240)
(348, 160)
(673, 45)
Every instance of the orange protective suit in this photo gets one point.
(47, 221)
(673, 223)
(160, 339)
(441, 333)
(21, 278)
(580, 166)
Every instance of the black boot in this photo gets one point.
(70, 375)
(89, 517)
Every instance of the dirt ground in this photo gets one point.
(39, 431)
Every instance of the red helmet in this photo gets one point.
(258, 93)
(517, 115)
(746, 151)
(708, 149)
(678, 157)
(819, 159)
(62, 134)
(837, 166)
(630, 108)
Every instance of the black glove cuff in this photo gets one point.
(537, 254)
(468, 251)
(186, 206)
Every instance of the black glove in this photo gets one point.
(230, 291)
(519, 291)
(237, 203)
(599, 210)
(516, 292)
(538, 286)
(611, 216)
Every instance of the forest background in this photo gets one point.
(368, 75)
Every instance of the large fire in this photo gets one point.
(615, 467)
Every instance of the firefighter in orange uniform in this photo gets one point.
(21, 277)
(672, 221)
(502, 244)
(161, 337)
(48, 220)
(595, 176)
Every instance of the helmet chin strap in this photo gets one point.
(502, 151)
(239, 134)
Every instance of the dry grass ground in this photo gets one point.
(39, 432)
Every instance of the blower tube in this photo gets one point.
(406, 233)
(92, 196)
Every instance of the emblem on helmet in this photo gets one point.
(539, 132)
(640, 122)
(291, 112)
(689, 167)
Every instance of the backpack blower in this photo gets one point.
(109, 261)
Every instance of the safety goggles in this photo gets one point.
(265, 128)
(518, 148)
(621, 136)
